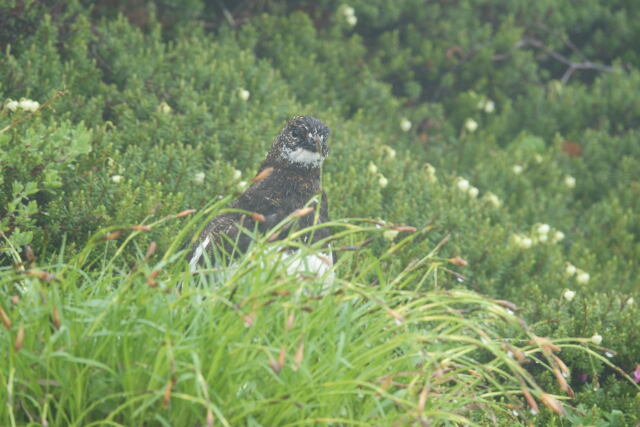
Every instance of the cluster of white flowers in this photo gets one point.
(582, 276)
(405, 125)
(542, 233)
(390, 235)
(164, 108)
(517, 169)
(470, 125)
(486, 105)
(569, 181)
(569, 294)
(464, 186)
(244, 94)
(349, 14)
(596, 339)
(198, 178)
(492, 199)
(431, 173)
(372, 168)
(24, 104)
(117, 178)
(391, 153)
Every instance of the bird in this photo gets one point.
(287, 180)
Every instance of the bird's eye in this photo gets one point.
(296, 133)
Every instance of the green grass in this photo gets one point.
(108, 341)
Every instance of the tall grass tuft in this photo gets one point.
(99, 340)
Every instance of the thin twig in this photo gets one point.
(57, 95)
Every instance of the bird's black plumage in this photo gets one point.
(293, 170)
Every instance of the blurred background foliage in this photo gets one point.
(161, 106)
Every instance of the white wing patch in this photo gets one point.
(304, 157)
(193, 262)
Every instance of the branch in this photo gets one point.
(571, 65)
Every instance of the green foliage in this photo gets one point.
(153, 122)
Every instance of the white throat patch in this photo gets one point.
(303, 157)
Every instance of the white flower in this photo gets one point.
(489, 107)
(493, 199)
(630, 301)
(569, 294)
(569, 181)
(117, 178)
(596, 339)
(390, 235)
(382, 181)
(526, 243)
(405, 125)
(570, 269)
(28, 105)
(543, 238)
(538, 158)
(391, 153)
(372, 168)
(244, 94)
(583, 277)
(557, 236)
(11, 105)
(463, 184)
(522, 241)
(352, 20)
(164, 108)
(543, 229)
(198, 178)
(470, 125)
(517, 169)
(237, 174)
(242, 185)
(473, 192)
(348, 11)
(431, 173)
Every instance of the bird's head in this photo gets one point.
(302, 143)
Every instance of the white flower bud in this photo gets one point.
(470, 125)
(164, 108)
(570, 269)
(405, 125)
(517, 169)
(526, 243)
(117, 178)
(244, 94)
(473, 192)
(596, 339)
(352, 20)
(390, 235)
(12, 105)
(489, 107)
(372, 168)
(557, 236)
(463, 184)
(237, 174)
(569, 295)
(543, 229)
(493, 199)
(630, 301)
(198, 178)
(391, 153)
(382, 181)
(583, 277)
(569, 181)
(348, 11)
